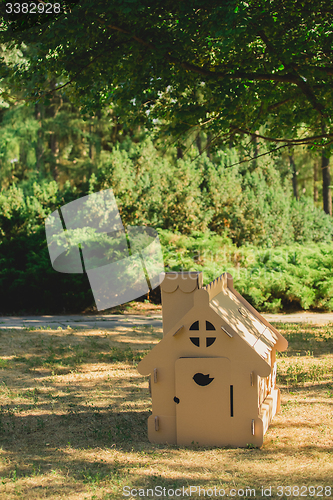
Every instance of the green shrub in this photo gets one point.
(28, 282)
(251, 207)
(210, 217)
(290, 276)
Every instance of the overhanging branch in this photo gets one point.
(288, 78)
(262, 154)
(305, 140)
(299, 80)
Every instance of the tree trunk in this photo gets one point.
(208, 150)
(179, 153)
(315, 180)
(53, 109)
(254, 140)
(199, 145)
(293, 168)
(327, 195)
(39, 145)
(325, 168)
(91, 147)
(54, 144)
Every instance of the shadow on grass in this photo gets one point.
(58, 455)
(81, 428)
(73, 435)
(60, 352)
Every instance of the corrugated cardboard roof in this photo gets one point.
(246, 324)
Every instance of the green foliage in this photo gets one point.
(309, 223)
(151, 190)
(27, 280)
(53, 142)
(229, 69)
(209, 216)
(17, 143)
(251, 207)
(273, 279)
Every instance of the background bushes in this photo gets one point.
(210, 217)
(272, 279)
(250, 207)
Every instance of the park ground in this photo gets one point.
(74, 410)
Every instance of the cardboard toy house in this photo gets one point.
(213, 375)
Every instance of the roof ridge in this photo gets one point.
(213, 283)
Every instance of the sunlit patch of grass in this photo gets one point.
(309, 356)
(296, 372)
(60, 356)
(307, 338)
(3, 363)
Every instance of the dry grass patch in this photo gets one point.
(145, 308)
(74, 410)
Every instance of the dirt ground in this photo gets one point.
(73, 422)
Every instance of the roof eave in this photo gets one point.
(281, 343)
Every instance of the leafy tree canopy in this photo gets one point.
(229, 67)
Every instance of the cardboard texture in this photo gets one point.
(213, 375)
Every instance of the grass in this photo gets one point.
(74, 409)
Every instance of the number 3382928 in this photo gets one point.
(32, 8)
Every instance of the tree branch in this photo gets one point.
(278, 104)
(76, 74)
(299, 80)
(262, 154)
(324, 69)
(306, 140)
(288, 78)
